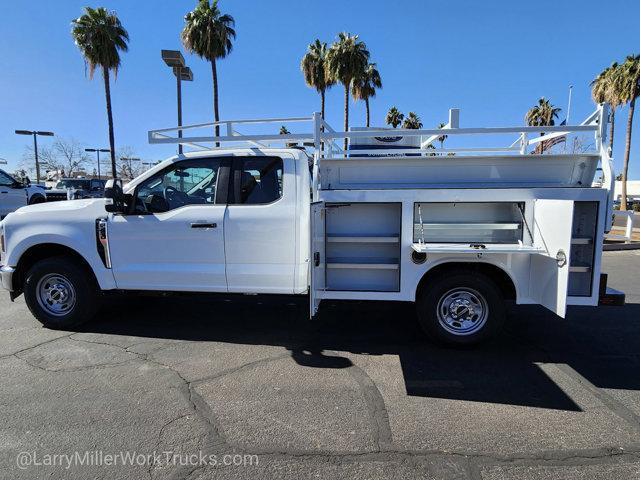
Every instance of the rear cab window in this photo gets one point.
(257, 180)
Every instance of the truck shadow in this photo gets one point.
(599, 345)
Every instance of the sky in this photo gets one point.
(491, 59)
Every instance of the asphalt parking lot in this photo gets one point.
(357, 393)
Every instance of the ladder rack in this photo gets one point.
(320, 134)
(325, 145)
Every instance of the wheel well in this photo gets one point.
(40, 252)
(497, 274)
(37, 197)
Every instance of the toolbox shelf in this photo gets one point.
(363, 239)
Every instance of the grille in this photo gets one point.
(56, 197)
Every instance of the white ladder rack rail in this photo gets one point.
(322, 132)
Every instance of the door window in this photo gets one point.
(257, 180)
(6, 180)
(191, 182)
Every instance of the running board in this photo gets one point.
(608, 295)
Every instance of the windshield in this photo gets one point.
(78, 184)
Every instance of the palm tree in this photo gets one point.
(442, 138)
(209, 34)
(542, 115)
(100, 37)
(394, 117)
(313, 66)
(412, 122)
(364, 85)
(603, 89)
(347, 58)
(628, 84)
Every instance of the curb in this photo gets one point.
(618, 247)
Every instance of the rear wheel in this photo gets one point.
(461, 308)
(60, 293)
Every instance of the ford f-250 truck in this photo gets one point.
(458, 235)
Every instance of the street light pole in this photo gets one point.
(175, 60)
(97, 150)
(35, 134)
(179, 96)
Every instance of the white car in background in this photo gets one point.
(15, 194)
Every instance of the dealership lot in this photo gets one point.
(355, 393)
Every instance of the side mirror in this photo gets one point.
(115, 197)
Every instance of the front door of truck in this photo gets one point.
(260, 225)
(174, 238)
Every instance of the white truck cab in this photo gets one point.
(15, 194)
(458, 235)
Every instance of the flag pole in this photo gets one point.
(566, 120)
(569, 103)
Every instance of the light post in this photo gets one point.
(97, 150)
(129, 161)
(35, 134)
(175, 60)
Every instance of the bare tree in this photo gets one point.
(128, 163)
(65, 154)
(581, 144)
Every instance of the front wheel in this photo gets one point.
(462, 308)
(60, 293)
(36, 199)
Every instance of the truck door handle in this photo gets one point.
(204, 225)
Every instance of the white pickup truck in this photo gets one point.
(15, 194)
(458, 235)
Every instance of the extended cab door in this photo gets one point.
(12, 197)
(317, 252)
(260, 225)
(174, 238)
(549, 280)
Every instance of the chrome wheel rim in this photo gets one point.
(462, 311)
(56, 294)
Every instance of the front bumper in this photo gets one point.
(6, 277)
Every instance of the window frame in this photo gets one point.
(236, 181)
(222, 194)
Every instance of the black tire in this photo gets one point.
(37, 199)
(444, 297)
(64, 274)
